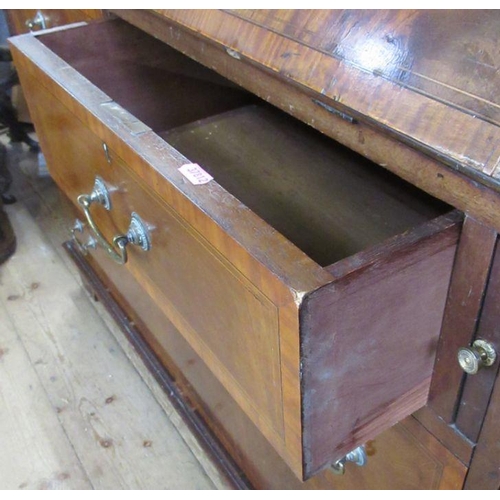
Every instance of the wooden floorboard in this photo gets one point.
(36, 452)
(92, 416)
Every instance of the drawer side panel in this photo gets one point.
(385, 319)
(276, 266)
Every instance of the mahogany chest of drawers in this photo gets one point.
(294, 288)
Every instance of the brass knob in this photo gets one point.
(479, 355)
(356, 456)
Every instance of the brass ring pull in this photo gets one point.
(137, 234)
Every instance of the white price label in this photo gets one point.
(195, 174)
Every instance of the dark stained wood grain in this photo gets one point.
(463, 306)
(16, 20)
(405, 457)
(477, 388)
(57, 125)
(385, 318)
(157, 163)
(151, 70)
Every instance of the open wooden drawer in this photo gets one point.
(310, 281)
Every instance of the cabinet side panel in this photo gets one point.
(385, 320)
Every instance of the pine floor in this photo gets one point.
(78, 409)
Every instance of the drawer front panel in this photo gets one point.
(232, 325)
(227, 320)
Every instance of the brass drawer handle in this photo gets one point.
(480, 355)
(39, 21)
(356, 456)
(137, 233)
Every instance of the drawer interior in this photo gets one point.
(157, 84)
(327, 200)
